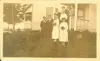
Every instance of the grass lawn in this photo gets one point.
(30, 44)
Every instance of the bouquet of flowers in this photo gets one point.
(54, 24)
(62, 28)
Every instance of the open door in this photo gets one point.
(49, 11)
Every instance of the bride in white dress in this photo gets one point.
(63, 35)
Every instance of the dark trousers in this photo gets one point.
(43, 34)
(49, 34)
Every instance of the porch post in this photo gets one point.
(70, 19)
(75, 22)
(32, 16)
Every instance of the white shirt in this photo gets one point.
(63, 16)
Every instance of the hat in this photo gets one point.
(63, 6)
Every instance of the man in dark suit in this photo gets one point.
(43, 26)
(49, 26)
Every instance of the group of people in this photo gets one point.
(56, 28)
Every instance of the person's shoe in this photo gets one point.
(63, 44)
(54, 40)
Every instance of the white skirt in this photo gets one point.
(55, 33)
(63, 37)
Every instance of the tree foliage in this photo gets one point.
(12, 10)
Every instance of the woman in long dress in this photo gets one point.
(63, 14)
(63, 35)
(55, 31)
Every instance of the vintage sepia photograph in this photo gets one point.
(50, 30)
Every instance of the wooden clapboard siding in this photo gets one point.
(90, 15)
(92, 26)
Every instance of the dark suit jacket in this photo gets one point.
(43, 25)
(49, 25)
